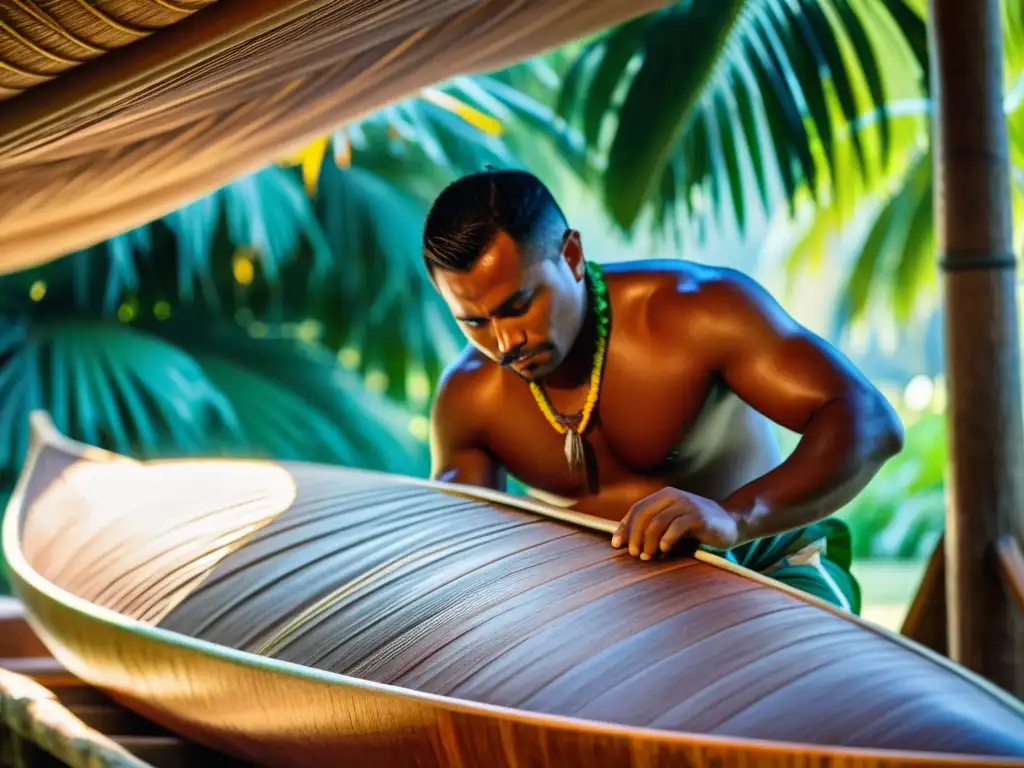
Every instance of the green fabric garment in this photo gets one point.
(828, 573)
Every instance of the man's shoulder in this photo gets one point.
(470, 378)
(673, 289)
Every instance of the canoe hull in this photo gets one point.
(277, 715)
(206, 618)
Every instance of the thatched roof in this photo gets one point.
(113, 112)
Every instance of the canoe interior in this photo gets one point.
(409, 585)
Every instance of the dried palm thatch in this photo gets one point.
(42, 39)
(116, 112)
(292, 613)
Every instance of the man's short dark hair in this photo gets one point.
(470, 212)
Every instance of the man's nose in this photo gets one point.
(507, 336)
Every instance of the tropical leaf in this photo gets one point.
(377, 307)
(371, 304)
(892, 268)
(791, 74)
(457, 127)
(897, 251)
(5, 497)
(107, 384)
(532, 118)
(193, 388)
(684, 45)
(183, 258)
(293, 401)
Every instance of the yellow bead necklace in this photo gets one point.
(574, 450)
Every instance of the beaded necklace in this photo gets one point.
(574, 451)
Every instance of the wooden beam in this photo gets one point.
(926, 620)
(986, 435)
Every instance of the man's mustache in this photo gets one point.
(521, 352)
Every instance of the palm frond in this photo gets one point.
(5, 497)
(458, 127)
(194, 388)
(892, 267)
(265, 217)
(295, 402)
(660, 99)
(537, 119)
(107, 384)
(377, 307)
(897, 252)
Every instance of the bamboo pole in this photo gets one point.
(974, 238)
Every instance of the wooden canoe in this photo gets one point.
(290, 613)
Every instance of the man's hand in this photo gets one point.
(660, 521)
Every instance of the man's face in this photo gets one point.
(523, 313)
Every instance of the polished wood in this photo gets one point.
(986, 425)
(926, 622)
(279, 717)
(1012, 561)
(402, 621)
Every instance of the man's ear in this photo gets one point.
(572, 252)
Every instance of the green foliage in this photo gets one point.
(190, 386)
(763, 92)
(892, 267)
(218, 329)
(418, 146)
(5, 585)
(897, 256)
(375, 302)
(901, 512)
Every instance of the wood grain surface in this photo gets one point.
(388, 594)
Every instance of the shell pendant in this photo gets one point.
(574, 451)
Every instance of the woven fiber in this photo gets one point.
(187, 100)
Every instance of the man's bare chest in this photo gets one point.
(638, 425)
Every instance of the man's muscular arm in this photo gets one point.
(794, 378)
(457, 450)
(848, 429)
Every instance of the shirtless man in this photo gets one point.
(677, 444)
